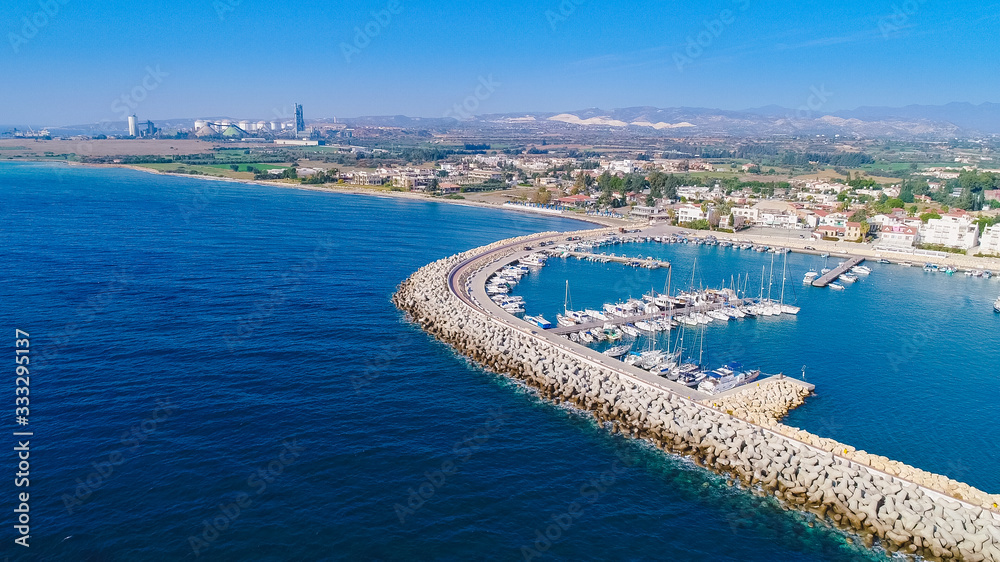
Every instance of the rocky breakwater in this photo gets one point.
(764, 403)
(803, 471)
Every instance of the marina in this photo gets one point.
(797, 467)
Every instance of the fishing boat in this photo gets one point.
(618, 351)
(836, 286)
(613, 334)
(540, 321)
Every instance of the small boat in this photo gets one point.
(883, 260)
(848, 278)
(824, 255)
(810, 277)
(906, 264)
(996, 305)
(565, 321)
(836, 286)
(789, 309)
(861, 270)
(630, 330)
(540, 321)
(618, 351)
(585, 337)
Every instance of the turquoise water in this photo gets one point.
(218, 373)
(906, 363)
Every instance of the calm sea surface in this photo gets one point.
(218, 373)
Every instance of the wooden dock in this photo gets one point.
(640, 262)
(825, 280)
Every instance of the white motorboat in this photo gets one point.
(644, 326)
(564, 321)
(630, 330)
(810, 277)
(836, 286)
(996, 305)
(847, 278)
(618, 350)
(861, 270)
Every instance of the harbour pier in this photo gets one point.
(830, 277)
(638, 262)
(904, 508)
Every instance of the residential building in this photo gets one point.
(990, 243)
(690, 213)
(852, 231)
(954, 230)
(829, 232)
(898, 236)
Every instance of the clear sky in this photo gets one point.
(252, 59)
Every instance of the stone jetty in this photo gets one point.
(739, 434)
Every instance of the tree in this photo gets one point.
(865, 227)
(928, 216)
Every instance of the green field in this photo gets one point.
(243, 167)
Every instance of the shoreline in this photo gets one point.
(797, 245)
(361, 190)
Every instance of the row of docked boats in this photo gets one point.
(670, 365)
(500, 284)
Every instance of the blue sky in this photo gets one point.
(250, 58)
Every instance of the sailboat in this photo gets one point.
(782, 307)
(566, 319)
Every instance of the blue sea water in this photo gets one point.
(218, 373)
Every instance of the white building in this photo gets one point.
(898, 236)
(990, 243)
(951, 230)
(690, 213)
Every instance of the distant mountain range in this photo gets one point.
(913, 121)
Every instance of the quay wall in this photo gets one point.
(906, 509)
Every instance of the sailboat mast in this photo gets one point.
(784, 269)
(770, 279)
(566, 299)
